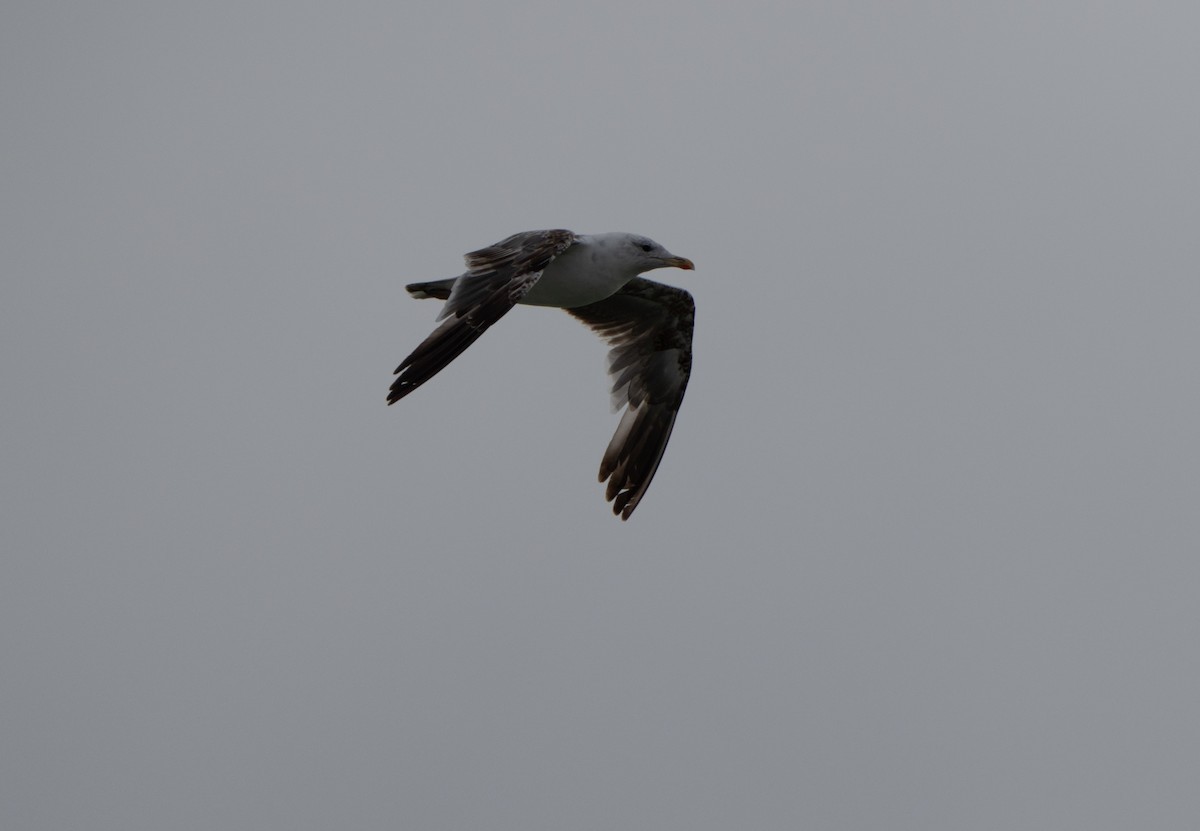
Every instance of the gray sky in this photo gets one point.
(923, 550)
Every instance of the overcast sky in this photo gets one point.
(922, 554)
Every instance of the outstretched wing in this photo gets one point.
(649, 327)
(496, 278)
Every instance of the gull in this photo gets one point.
(594, 277)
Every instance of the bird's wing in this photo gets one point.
(496, 278)
(649, 327)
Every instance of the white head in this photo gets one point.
(639, 253)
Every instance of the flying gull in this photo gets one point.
(594, 277)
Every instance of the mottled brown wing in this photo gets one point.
(496, 278)
(649, 327)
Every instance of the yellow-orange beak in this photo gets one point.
(680, 262)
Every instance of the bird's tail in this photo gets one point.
(436, 289)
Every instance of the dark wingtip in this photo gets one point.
(398, 390)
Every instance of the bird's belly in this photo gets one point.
(571, 281)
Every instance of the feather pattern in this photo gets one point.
(648, 326)
(497, 277)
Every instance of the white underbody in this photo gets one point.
(580, 275)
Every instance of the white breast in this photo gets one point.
(580, 275)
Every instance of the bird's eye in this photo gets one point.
(647, 247)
